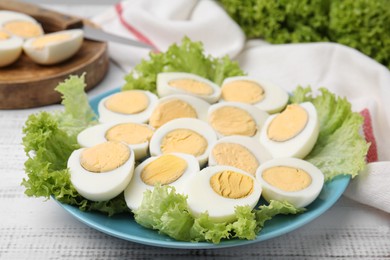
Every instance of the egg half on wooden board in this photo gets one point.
(290, 179)
(173, 169)
(54, 47)
(20, 25)
(101, 172)
(10, 48)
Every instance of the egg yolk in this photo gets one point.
(23, 28)
(170, 110)
(164, 170)
(233, 121)
(192, 86)
(288, 124)
(41, 42)
(4, 36)
(129, 133)
(104, 157)
(127, 102)
(235, 155)
(287, 178)
(242, 91)
(231, 184)
(184, 141)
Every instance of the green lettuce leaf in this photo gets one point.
(340, 149)
(188, 57)
(49, 139)
(167, 211)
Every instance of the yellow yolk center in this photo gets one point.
(184, 141)
(170, 110)
(104, 157)
(129, 133)
(164, 170)
(192, 86)
(23, 28)
(128, 102)
(288, 124)
(287, 178)
(4, 36)
(231, 184)
(41, 42)
(233, 121)
(235, 155)
(242, 91)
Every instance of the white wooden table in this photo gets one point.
(32, 228)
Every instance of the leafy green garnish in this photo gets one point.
(188, 57)
(361, 24)
(166, 211)
(340, 149)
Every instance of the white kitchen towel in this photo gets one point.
(341, 69)
(163, 22)
(348, 73)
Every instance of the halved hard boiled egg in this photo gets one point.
(291, 133)
(173, 169)
(136, 135)
(101, 172)
(234, 118)
(10, 48)
(218, 190)
(290, 179)
(259, 93)
(127, 106)
(169, 83)
(20, 25)
(242, 152)
(184, 135)
(55, 47)
(178, 106)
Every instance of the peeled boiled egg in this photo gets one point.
(10, 48)
(242, 152)
(291, 133)
(55, 47)
(136, 135)
(20, 25)
(127, 106)
(234, 118)
(173, 169)
(169, 83)
(178, 106)
(290, 179)
(218, 190)
(260, 93)
(184, 135)
(101, 172)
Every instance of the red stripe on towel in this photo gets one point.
(135, 32)
(372, 155)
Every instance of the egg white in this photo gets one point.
(301, 198)
(202, 198)
(298, 146)
(259, 116)
(135, 190)
(164, 89)
(106, 115)
(275, 98)
(259, 152)
(10, 50)
(55, 52)
(99, 186)
(96, 134)
(196, 125)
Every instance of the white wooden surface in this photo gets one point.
(36, 229)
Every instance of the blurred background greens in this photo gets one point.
(361, 24)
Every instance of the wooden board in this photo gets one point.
(26, 84)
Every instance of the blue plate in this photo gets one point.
(124, 226)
